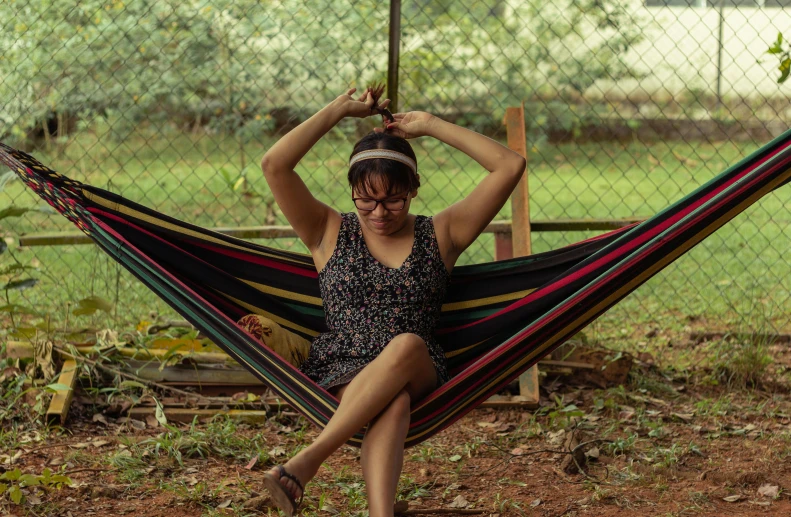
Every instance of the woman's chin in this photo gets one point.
(379, 225)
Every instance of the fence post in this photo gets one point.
(517, 243)
(393, 54)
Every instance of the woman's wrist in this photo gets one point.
(433, 126)
(337, 110)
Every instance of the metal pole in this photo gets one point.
(719, 57)
(393, 53)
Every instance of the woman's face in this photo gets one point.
(385, 218)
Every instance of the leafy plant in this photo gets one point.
(782, 50)
(13, 481)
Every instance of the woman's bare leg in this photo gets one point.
(404, 364)
(382, 455)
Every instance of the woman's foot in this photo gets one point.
(300, 469)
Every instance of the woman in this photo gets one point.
(383, 274)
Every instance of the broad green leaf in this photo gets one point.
(29, 480)
(11, 475)
(19, 309)
(21, 285)
(159, 414)
(24, 332)
(16, 494)
(57, 387)
(13, 211)
(132, 384)
(92, 304)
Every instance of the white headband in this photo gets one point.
(384, 153)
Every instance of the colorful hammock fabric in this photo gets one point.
(498, 320)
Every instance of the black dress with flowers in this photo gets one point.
(367, 304)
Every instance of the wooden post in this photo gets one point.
(520, 225)
(59, 406)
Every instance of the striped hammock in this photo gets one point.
(498, 320)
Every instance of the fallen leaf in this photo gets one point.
(98, 417)
(277, 451)
(593, 453)
(455, 457)
(252, 463)
(225, 504)
(556, 437)
(768, 490)
(733, 498)
(99, 443)
(459, 502)
(518, 451)
(535, 503)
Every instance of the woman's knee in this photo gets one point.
(399, 407)
(407, 349)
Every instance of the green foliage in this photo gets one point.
(230, 64)
(219, 437)
(783, 51)
(12, 481)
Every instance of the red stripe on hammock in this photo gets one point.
(538, 293)
(487, 359)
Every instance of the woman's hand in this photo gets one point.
(409, 125)
(362, 107)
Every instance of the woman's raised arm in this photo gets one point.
(464, 220)
(306, 214)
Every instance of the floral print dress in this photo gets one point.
(367, 304)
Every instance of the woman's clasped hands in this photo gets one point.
(405, 125)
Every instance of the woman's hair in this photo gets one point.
(390, 175)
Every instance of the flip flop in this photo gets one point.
(279, 493)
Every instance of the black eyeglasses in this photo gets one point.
(369, 205)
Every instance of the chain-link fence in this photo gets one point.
(629, 106)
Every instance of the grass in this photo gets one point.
(731, 276)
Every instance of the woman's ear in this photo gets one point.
(414, 194)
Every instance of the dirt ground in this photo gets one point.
(671, 443)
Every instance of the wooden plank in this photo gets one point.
(520, 198)
(195, 375)
(61, 400)
(520, 224)
(503, 246)
(277, 232)
(19, 350)
(186, 415)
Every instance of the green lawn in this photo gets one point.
(738, 277)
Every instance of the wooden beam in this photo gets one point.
(520, 198)
(61, 400)
(278, 232)
(520, 225)
(186, 415)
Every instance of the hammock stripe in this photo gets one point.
(498, 319)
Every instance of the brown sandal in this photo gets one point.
(279, 494)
